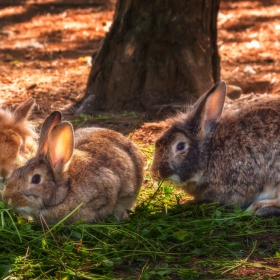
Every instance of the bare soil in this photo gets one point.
(46, 48)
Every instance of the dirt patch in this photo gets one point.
(46, 48)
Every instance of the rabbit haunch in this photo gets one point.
(233, 159)
(104, 172)
(17, 137)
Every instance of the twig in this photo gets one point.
(155, 193)
(26, 255)
(43, 222)
(132, 130)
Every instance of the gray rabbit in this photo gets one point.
(233, 159)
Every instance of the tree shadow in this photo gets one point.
(37, 48)
(249, 21)
(51, 8)
(84, 48)
(9, 3)
(229, 4)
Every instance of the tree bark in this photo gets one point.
(156, 52)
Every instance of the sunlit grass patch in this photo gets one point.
(163, 238)
(82, 118)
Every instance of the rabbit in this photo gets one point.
(17, 137)
(97, 167)
(232, 159)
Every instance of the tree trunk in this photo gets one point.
(156, 52)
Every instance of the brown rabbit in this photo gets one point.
(17, 137)
(232, 160)
(104, 172)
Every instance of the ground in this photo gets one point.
(46, 48)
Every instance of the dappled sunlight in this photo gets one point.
(46, 48)
(12, 11)
(249, 45)
(45, 51)
(130, 49)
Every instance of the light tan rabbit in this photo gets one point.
(233, 159)
(17, 137)
(104, 172)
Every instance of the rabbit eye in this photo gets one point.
(36, 179)
(180, 146)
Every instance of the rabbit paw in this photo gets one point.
(121, 215)
(265, 208)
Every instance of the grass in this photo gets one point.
(162, 239)
(82, 118)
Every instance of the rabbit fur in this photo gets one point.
(104, 172)
(233, 159)
(17, 137)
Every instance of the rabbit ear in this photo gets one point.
(61, 145)
(208, 109)
(23, 111)
(49, 123)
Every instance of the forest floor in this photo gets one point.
(46, 48)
